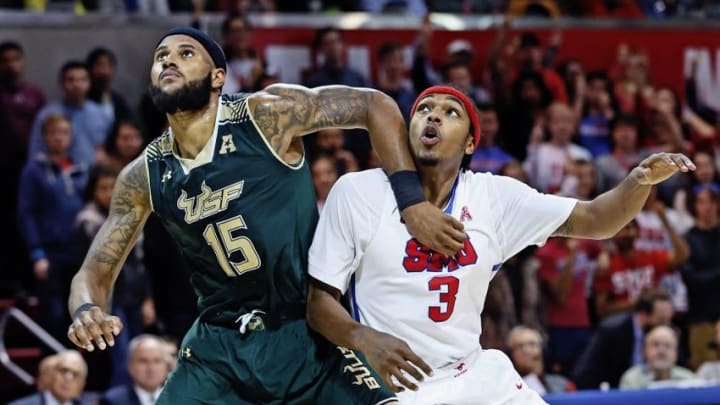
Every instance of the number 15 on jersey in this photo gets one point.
(226, 244)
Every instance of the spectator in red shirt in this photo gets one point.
(632, 271)
(565, 266)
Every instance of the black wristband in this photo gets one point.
(84, 307)
(407, 188)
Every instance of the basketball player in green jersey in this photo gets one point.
(229, 182)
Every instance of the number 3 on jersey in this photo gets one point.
(448, 287)
(419, 258)
(227, 244)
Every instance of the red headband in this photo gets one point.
(464, 99)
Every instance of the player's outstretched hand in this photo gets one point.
(434, 228)
(94, 328)
(660, 166)
(392, 357)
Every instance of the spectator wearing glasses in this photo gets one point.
(65, 384)
(526, 351)
(660, 351)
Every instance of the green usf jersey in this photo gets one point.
(243, 218)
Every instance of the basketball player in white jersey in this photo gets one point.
(414, 311)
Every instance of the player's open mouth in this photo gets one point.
(430, 135)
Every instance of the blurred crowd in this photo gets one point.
(630, 9)
(635, 311)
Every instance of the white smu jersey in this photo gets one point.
(398, 286)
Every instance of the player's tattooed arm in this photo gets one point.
(129, 210)
(283, 112)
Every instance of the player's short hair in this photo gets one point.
(71, 65)
(11, 46)
(647, 299)
(97, 53)
(465, 164)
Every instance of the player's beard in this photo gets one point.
(427, 161)
(425, 157)
(191, 97)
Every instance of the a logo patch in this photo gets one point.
(359, 371)
(228, 146)
(465, 214)
(167, 176)
(208, 202)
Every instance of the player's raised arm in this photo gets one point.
(284, 112)
(605, 215)
(90, 292)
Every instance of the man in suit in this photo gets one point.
(148, 367)
(65, 384)
(618, 341)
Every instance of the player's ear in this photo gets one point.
(217, 78)
(469, 144)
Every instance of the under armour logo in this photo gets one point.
(167, 176)
(186, 353)
(227, 145)
(465, 214)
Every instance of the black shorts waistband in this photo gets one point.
(261, 321)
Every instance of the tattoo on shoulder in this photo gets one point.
(128, 211)
(298, 110)
(267, 117)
